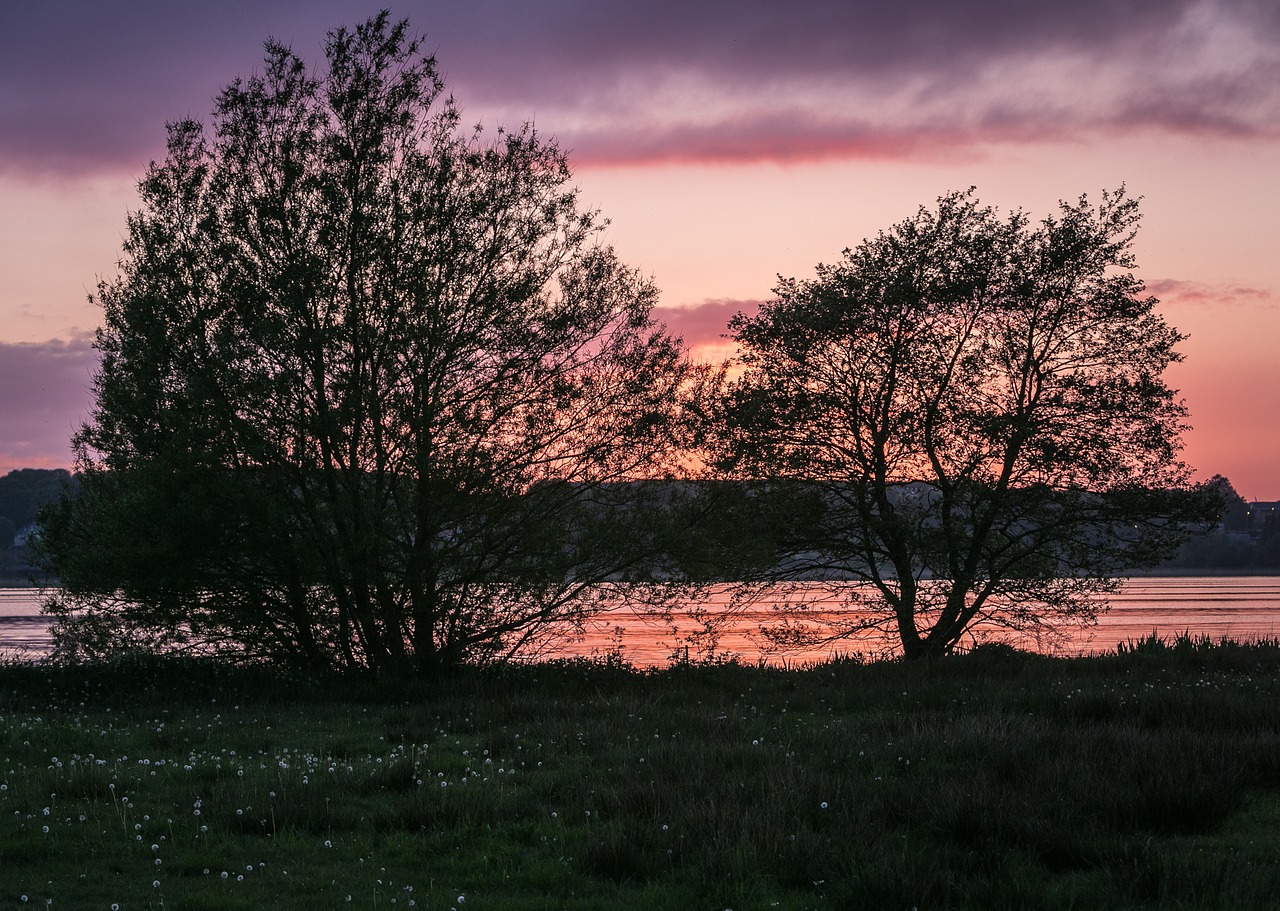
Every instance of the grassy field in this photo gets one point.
(1149, 779)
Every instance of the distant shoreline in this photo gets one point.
(1181, 572)
(15, 580)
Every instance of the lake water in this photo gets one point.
(22, 629)
(1240, 607)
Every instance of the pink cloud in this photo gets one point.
(704, 325)
(1172, 290)
(45, 392)
(791, 137)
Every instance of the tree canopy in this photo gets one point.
(979, 400)
(369, 382)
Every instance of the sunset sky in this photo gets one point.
(728, 142)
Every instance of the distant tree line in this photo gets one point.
(1246, 536)
(23, 492)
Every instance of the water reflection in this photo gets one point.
(1239, 607)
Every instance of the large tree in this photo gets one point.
(370, 384)
(978, 401)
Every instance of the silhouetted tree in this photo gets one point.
(980, 401)
(368, 382)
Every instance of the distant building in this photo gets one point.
(1251, 521)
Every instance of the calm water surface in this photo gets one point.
(21, 626)
(1241, 607)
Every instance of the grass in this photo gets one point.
(1149, 778)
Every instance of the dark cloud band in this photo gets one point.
(87, 86)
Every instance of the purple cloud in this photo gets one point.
(87, 86)
(45, 391)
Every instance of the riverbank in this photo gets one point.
(996, 780)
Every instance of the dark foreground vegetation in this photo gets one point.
(1148, 778)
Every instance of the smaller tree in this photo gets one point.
(979, 401)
